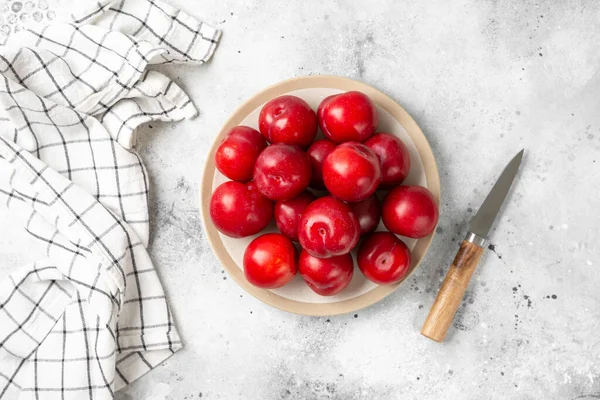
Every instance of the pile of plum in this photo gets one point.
(271, 172)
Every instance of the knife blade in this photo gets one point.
(457, 279)
(483, 220)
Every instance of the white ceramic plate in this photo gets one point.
(296, 296)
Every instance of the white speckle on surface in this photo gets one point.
(564, 226)
(589, 262)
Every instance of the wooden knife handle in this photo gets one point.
(452, 291)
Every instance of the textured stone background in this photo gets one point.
(483, 79)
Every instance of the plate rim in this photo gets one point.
(307, 82)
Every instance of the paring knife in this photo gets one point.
(457, 279)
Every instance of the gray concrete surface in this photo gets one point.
(483, 79)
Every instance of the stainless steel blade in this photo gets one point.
(482, 222)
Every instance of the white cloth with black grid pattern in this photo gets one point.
(91, 316)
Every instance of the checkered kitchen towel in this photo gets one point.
(91, 316)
